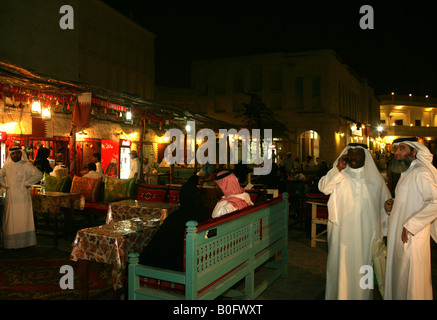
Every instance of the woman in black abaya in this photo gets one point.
(166, 249)
(41, 162)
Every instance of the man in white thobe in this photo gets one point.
(17, 176)
(134, 165)
(234, 197)
(356, 220)
(412, 220)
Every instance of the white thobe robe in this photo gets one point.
(94, 175)
(408, 272)
(59, 171)
(18, 222)
(99, 168)
(224, 207)
(356, 219)
(134, 168)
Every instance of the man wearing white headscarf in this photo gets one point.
(356, 219)
(412, 220)
(17, 176)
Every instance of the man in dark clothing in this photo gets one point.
(241, 170)
(166, 249)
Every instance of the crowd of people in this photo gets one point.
(363, 214)
(19, 174)
(286, 169)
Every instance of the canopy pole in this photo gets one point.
(73, 151)
(140, 146)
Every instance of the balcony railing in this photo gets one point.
(407, 100)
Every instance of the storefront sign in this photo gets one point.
(126, 143)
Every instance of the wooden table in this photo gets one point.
(51, 204)
(127, 209)
(110, 243)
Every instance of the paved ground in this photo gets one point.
(306, 269)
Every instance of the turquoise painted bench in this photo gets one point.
(220, 253)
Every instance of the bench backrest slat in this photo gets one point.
(224, 245)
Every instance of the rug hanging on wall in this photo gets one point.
(34, 274)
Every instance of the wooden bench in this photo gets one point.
(221, 252)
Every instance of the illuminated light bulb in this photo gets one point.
(46, 114)
(36, 107)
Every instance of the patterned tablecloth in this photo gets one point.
(111, 244)
(47, 207)
(128, 209)
(52, 202)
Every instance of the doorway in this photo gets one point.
(309, 145)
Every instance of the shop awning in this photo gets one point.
(25, 85)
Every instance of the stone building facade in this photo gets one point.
(320, 99)
(104, 48)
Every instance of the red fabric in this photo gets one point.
(216, 221)
(82, 110)
(162, 285)
(173, 194)
(322, 211)
(87, 187)
(38, 127)
(173, 287)
(152, 193)
(96, 206)
(230, 186)
(81, 114)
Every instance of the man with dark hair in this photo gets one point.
(96, 158)
(413, 217)
(92, 172)
(357, 221)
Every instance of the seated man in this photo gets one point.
(92, 172)
(234, 196)
(60, 170)
(166, 249)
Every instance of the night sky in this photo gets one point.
(398, 55)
